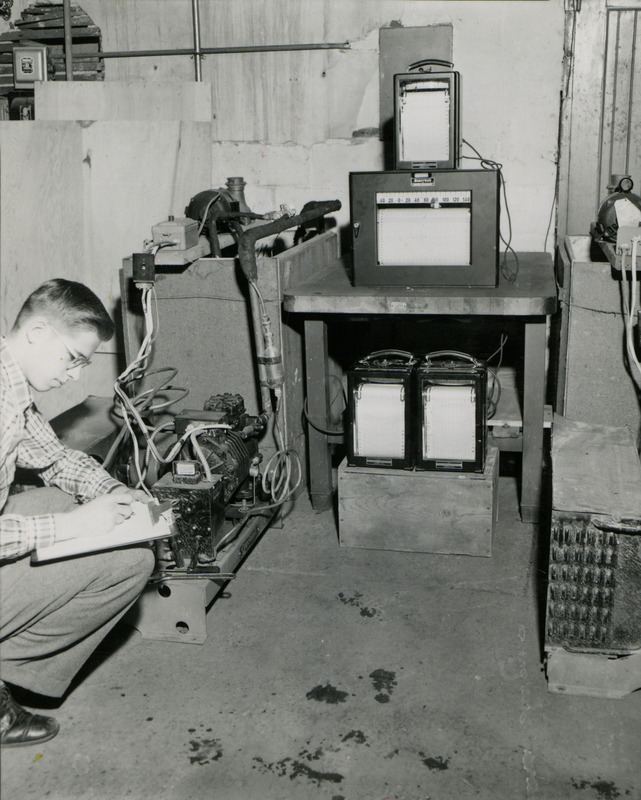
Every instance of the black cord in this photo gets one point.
(509, 274)
(326, 431)
(495, 394)
(593, 310)
(499, 350)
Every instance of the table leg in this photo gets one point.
(317, 384)
(533, 410)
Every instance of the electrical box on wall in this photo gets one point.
(29, 66)
(398, 48)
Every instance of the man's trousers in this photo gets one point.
(53, 615)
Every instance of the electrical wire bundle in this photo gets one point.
(630, 290)
(283, 473)
(131, 406)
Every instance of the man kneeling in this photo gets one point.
(53, 615)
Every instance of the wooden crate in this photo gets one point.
(419, 512)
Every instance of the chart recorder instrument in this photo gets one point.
(428, 414)
(432, 228)
(427, 117)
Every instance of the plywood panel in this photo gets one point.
(400, 47)
(135, 175)
(42, 219)
(256, 96)
(77, 198)
(123, 100)
(205, 330)
(596, 469)
(42, 223)
(145, 25)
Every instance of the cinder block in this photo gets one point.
(419, 512)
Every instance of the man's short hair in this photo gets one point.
(69, 303)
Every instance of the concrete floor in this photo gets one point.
(342, 674)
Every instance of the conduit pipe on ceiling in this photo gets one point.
(197, 51)
(206, 51)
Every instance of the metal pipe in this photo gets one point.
(66, 15)
(256, 315)
(209, 51)
(197, 52)
(246, 239)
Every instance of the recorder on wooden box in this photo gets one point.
(451, 390)
(379, 405)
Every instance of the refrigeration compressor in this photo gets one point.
(214, 478)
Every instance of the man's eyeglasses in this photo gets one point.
(77, 359)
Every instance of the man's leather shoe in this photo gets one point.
(19, 727)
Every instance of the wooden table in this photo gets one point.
(530, 298)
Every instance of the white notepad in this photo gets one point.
(142, 526)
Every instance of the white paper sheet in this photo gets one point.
(425, 122)
(139, 527)
(450, 423)
(422, 236)
(380, 420)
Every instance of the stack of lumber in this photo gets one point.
(42, 23)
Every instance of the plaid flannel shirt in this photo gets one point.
(28, 440)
